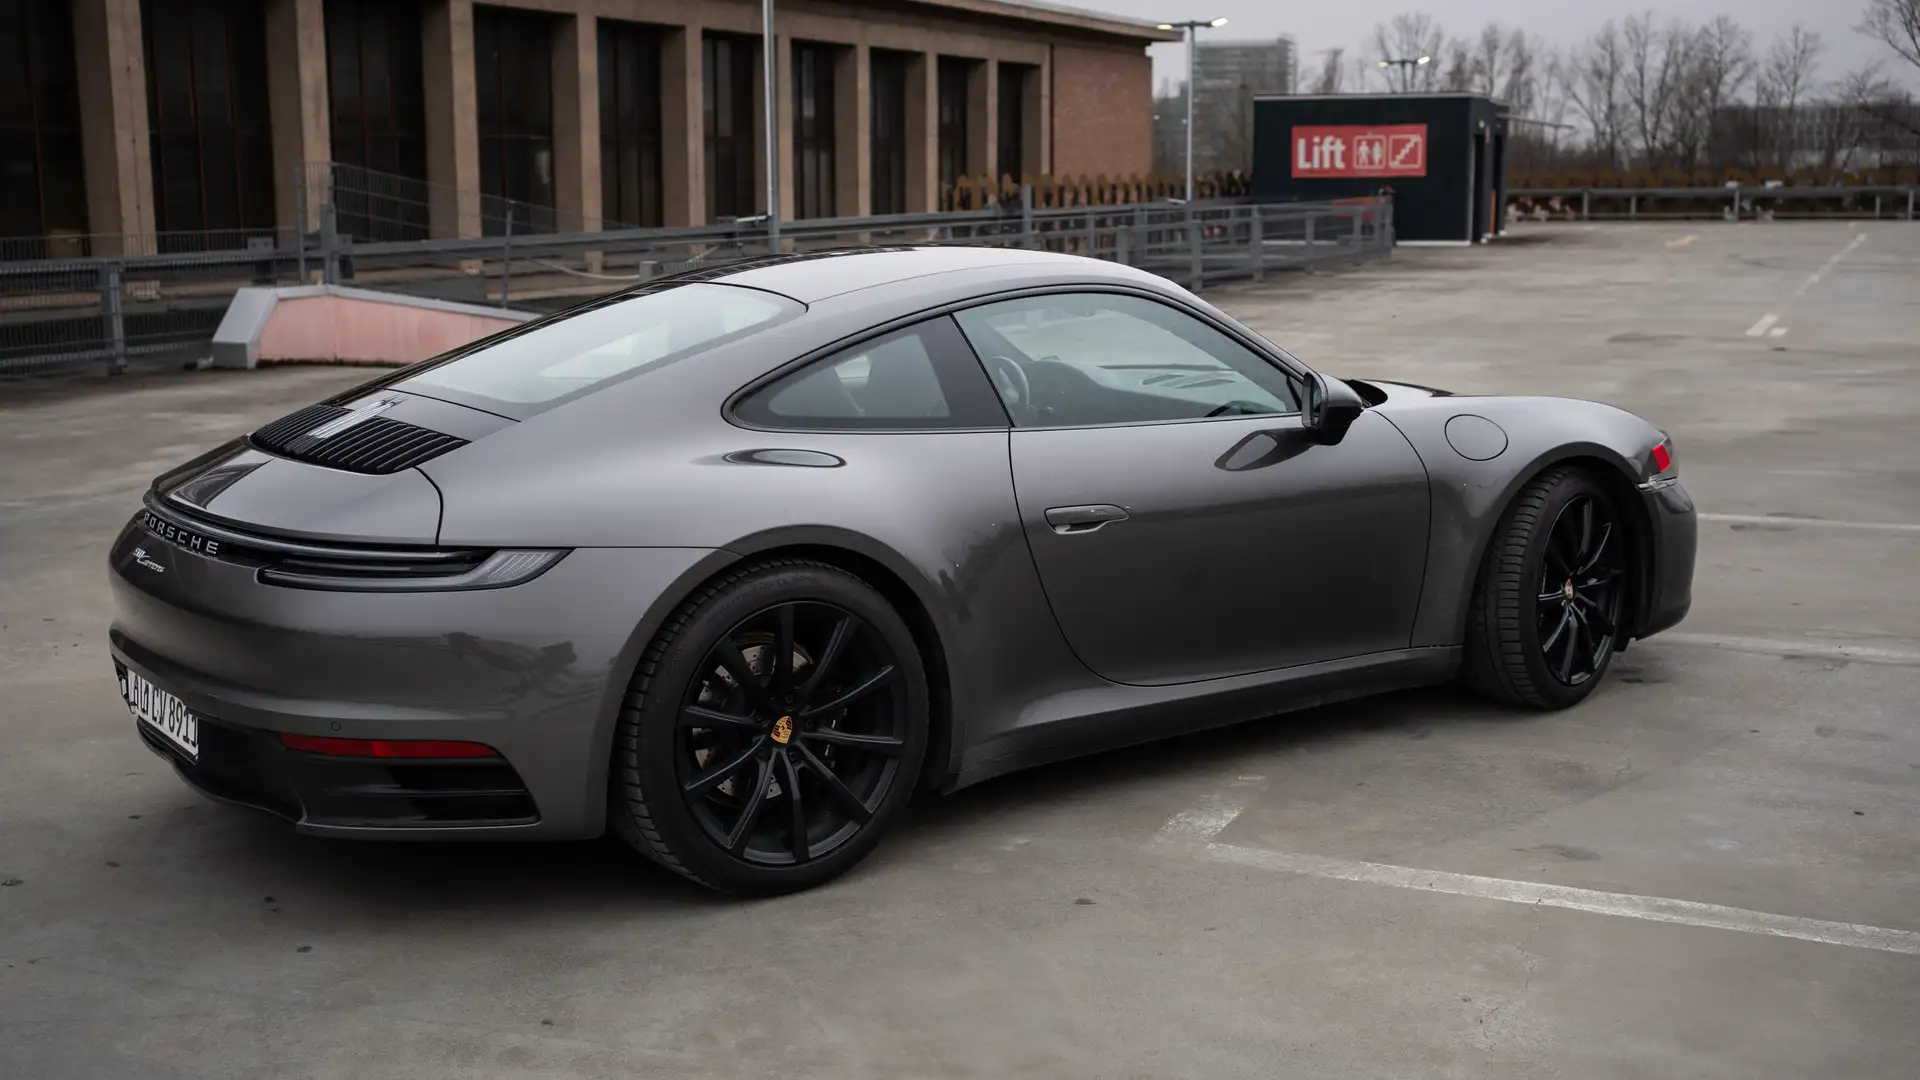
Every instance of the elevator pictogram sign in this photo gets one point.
(1360, 150)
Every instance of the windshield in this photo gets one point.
(557, 358)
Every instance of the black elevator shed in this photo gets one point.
(1443, 156)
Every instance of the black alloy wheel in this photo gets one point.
(1578, 605)
(1550, 601)
(792, 733)
(773, 730)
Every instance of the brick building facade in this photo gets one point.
(131, 117)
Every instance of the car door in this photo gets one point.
(1183, 526)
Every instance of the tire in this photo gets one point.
(693, 709)
(1542, 628)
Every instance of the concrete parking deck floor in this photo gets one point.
(1410, 886)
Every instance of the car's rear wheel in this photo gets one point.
(1550, 595)
(773, 731)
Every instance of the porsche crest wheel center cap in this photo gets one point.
(1567, 589)
(783, 730)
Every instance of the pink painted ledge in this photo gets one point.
(331, 324)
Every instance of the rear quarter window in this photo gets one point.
(921, 378)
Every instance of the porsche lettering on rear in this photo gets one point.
(180, 537)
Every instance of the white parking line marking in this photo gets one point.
(1202, 822)
(1760, 327)
(1192, 831)
(1683, 241)
(1832, 261)
(1866, 654)
(1777, 332)
(1814, 523)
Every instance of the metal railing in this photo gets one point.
(379, 207)
(1729, 203)
(62, 314)
(91, 313)
(1195, 245)
(66, 246)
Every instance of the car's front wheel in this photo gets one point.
(1549, 600)
(773, 731)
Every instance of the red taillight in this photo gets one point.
(386, 748)
(1662, 458)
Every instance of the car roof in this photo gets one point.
(819, 275)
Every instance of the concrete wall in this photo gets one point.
(1091, 107)
(112, 68)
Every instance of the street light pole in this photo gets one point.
(1192, 27)
(1193, 33)
(769, 74)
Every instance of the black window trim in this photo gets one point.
(1295, 371)
(826, 354)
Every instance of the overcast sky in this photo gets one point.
(1348, 23)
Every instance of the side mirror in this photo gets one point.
(1330, 409)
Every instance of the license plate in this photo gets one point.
(164, 714)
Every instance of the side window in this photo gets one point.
(1076, 359)
(919, 378)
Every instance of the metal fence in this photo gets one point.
(84, 313)
(1727, 203)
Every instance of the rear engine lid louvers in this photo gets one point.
(338, 438)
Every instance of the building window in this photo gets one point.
(889, 118)
(43, 189)
(954, 76)
(207, 113)
(1014, 80)
(513, 79)
(630, 174)
(813, 189)
(731, 80)
(378, 118)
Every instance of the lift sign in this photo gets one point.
(1360, 150)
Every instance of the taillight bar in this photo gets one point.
(386, 748)
(1662, 457)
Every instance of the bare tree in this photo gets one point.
(1654, 93)
(1457, 76)
(1656, 70)
(1554, 103)
(1596, 84)
(1854, 97)
(1785, 80)
(1536, 88)
(1722, 63)
(1897, 23)
(1516, 78)
(1332, 73)
(1407, 37)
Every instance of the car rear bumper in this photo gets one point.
(1675, 539)
(339, 794)
(536, 671)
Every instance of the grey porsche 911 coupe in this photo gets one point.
(734, 562)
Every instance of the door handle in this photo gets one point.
(1071, 520)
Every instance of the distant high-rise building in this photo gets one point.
(1227, 75)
